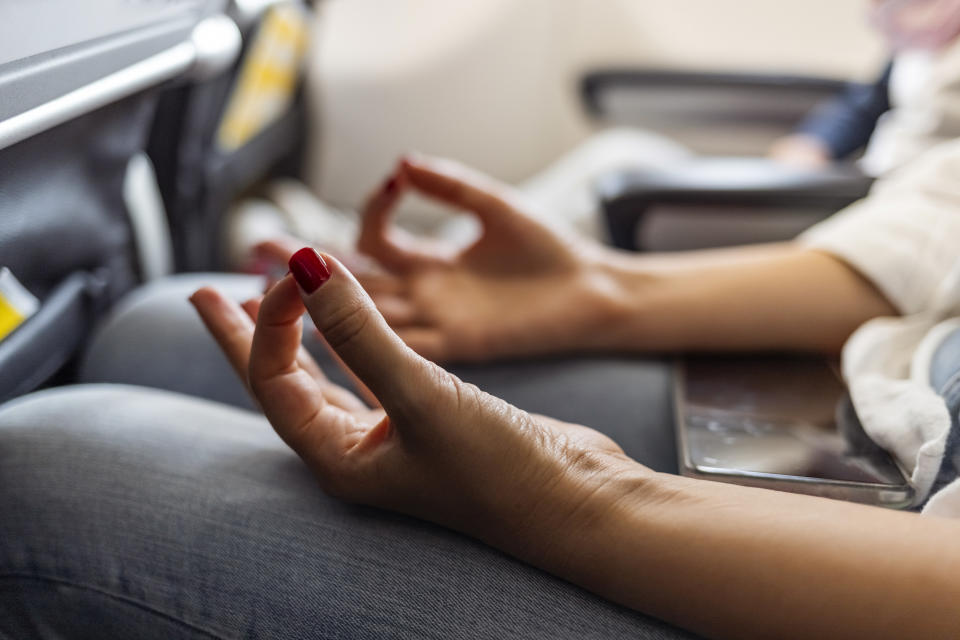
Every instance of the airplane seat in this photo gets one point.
(437, 77)
(214, 138)
(64, 235)
(121, 79)
(715, 199)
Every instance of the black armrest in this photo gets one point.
(758, 93)
(627, 196)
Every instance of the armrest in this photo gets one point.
(748, 183)
(729, 97)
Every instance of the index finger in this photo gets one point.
(456, 185)
(391, 246)
(290, 397)
(229, 325)
(376, 238)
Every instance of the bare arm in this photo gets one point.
(725, 561)
(737, 562)
(778, 296)
(525, 289)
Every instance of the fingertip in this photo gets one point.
(310, 269)
(203, 296)
(333, 264)
(339, 272)
(199, 293)
(412, 158)
(393, 185)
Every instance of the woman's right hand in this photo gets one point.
(521, 288)
(720, 559)
(439, 448)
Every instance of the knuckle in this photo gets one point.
(436, 392)
(346, 324)
(582, 459)
(468, 396)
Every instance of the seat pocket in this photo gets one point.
(39, 347)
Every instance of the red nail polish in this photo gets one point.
(391, 185)
(309, 269)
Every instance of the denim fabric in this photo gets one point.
(945, 366)
(130, 512)
(154, 338)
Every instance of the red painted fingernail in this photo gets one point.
(309, 269)
(391, 185)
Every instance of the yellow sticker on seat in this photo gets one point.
(10, 318)
(16, 303)
(267, 81)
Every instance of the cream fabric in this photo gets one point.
(905, 238)
(924, 109)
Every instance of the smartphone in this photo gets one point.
(780, 422)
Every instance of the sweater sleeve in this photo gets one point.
(846, 122)
(905, 235)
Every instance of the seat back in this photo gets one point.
(215, 139)
(64, 234)
(71, 119)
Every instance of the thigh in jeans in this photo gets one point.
(154, 338)
(138, 513)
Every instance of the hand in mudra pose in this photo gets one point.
(724, 560)
(438, 448)
(522, 288)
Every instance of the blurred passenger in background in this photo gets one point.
(913, 105)
(722, 560)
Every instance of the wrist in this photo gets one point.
(620, 291)
(584, 499)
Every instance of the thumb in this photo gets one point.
(350, 323)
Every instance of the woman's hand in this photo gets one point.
(723, 560)
(525, 289)
(439, 449)
(520, 289)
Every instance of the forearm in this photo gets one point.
(735, 562)
(767, 297)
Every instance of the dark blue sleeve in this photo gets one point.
(846, 122)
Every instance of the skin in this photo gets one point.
(801, 151)
(524, 289)
(721, 560)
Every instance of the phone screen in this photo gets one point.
(782, 416)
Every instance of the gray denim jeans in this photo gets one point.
(134, 512)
